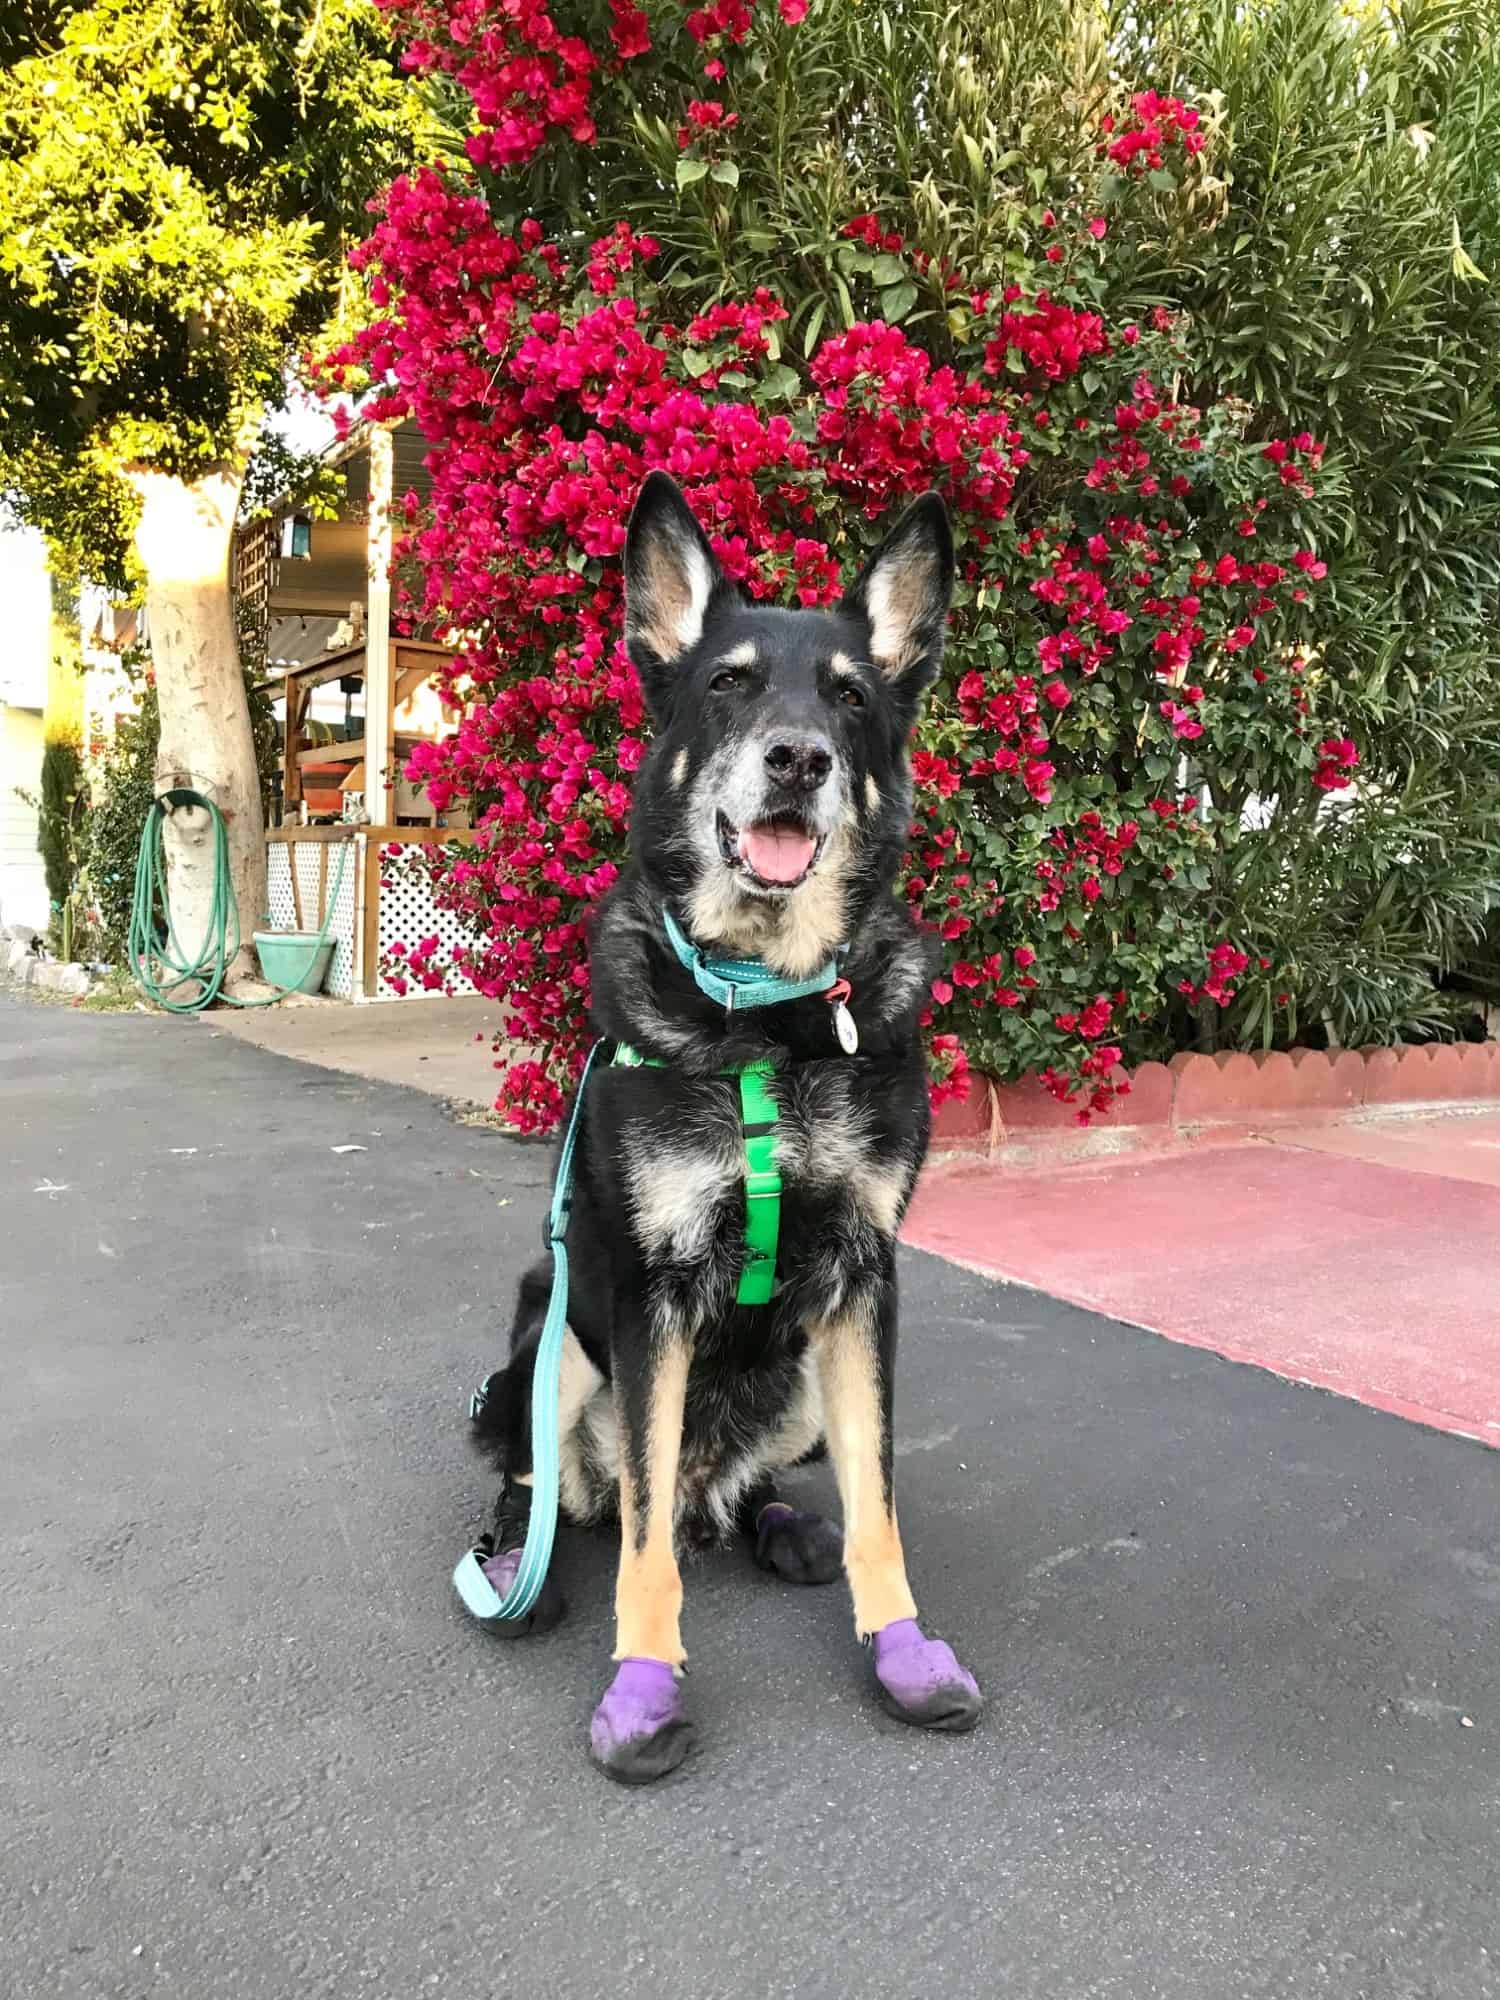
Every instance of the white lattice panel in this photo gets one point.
(406, 914)
(281, 856)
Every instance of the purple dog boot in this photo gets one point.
(500, 1572)
(921, 1681)
(639, 1731)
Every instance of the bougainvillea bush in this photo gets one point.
(1135, 700)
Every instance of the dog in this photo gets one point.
(768, 823)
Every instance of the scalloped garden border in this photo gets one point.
(1222, 1096)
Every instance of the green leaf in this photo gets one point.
(1162, 179)
(897, 301)
(778, 382)
(689, 171)
(726, 173)
(814, 327)
(695, 362)
(888, 270)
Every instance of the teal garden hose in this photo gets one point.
(159, 965)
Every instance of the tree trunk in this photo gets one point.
(184, 539)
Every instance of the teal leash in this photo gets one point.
(479, 1595)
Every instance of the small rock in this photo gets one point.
(52, 977)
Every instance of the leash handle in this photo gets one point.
(473, 1586)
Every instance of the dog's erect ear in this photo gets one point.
(671, 578)
(903, 592)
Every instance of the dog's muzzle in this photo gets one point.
(777, 853)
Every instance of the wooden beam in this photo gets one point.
(422, 646)
(291, 778)
(311, 834)
(336, 669)
(332, 753)
(420, 836)
(410, 680)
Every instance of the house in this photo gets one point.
(24, 646)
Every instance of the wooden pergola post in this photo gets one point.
(380, 707)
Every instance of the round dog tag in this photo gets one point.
(844, 1028)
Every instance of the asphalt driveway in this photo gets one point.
(1239, 1638)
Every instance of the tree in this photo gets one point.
(179, 183)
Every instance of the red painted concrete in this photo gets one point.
(1465, 1146)
(1369, 1279)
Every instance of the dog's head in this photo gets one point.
(777, 792)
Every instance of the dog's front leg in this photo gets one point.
(639, 1730)
(920, 1680)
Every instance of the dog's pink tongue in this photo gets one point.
(776, 853)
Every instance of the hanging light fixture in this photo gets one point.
(296, 537)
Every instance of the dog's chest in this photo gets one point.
(685, 1170)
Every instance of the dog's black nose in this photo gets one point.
(800, 764)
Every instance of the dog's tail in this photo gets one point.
(500, 1428)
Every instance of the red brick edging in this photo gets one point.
(1192, 1095)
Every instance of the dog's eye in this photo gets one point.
(726, 682)
(852, 696)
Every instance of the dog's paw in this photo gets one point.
(639, 1731)
(799, 1548)
(548, 1610)
(921, 1681)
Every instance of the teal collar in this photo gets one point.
(743, 982)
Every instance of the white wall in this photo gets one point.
(23, 883)
(25, 613)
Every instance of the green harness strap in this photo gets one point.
(758, 1119)
(758, 1116)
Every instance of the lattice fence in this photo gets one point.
(254, 575)
(303, 855)
(406, 914)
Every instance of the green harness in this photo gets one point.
(759, 1114)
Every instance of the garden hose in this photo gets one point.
(158, 965)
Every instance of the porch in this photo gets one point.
(352, 699)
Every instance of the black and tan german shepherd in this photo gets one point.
(769, 819)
